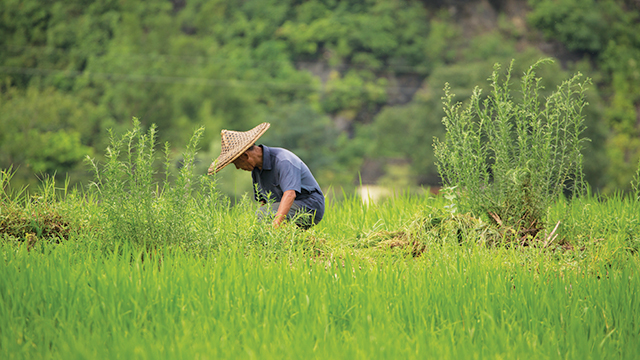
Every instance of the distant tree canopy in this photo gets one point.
(608, 34)
(341, 81)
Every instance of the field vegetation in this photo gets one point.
(152, 265)
(401, 279)
(114, 245)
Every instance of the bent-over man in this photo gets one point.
(283, 183)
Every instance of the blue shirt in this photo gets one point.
(281, 171)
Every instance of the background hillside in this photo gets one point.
(353, 87)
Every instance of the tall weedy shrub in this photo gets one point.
(137, 208)
(511, 159)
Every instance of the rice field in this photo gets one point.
(370, 281)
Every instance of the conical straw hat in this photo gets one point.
(235, 143)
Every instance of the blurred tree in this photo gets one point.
(47, 132)
(407, 132)
(579, 24)
(356, 90)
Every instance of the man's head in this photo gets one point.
(250, 159)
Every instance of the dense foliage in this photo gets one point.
(346, 84)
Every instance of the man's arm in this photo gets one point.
(285, 206)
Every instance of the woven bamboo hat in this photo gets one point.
(235, 143)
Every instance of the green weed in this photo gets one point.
(509, 160)
(137, 207)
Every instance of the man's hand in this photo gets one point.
(285, 206)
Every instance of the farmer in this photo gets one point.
(283, 183)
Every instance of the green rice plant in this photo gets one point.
(254, 291)
(453, 302)
(137, 208)
(509, 160)
(596, 224)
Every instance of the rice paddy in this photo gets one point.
(239, 289)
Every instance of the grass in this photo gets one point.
(451, 302)
(331, 292)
